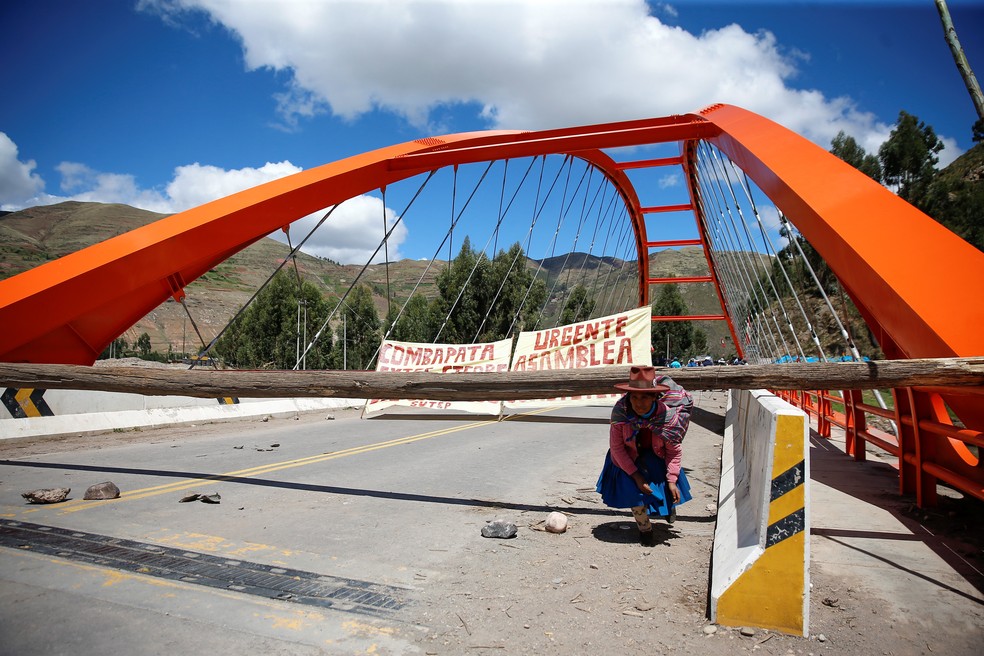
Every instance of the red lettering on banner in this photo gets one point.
(579, 333)
(620, 325)
(554, 338)
(591, 331)
(564, 359)
(582, 356)
(608, 357)
(565, 336)
(488, 353)
(430, 404)
(539, 340)
(625, 351)
(595, 362)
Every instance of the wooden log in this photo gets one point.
(465, 386)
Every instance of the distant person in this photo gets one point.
(676, 364)
(642, 468)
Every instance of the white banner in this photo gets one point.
(618, 340)
(442, 358)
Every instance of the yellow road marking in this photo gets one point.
(75, 506)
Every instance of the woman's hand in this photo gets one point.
(674, 492)
(641, 483)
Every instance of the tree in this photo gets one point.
(414, 325)
(955, 197)
(269, 333)
(358, 331)
(463, 300)
(847, 149)
(909, 157)
(678, 334)
(578, 307)
(485, 301)
(143, 344)
(116, 349)
(520, 295)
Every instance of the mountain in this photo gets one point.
(31, 237)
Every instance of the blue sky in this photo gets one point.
(167, 104)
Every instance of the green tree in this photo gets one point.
(578, 307)
(267, 333)
(955, 197)
(414, 325)
(484, 301)
(116, 349)
(847, 149)
(463, 299)
(670, 303)
(143, 344)
(517, 293)
(909, 157)
(357, 332)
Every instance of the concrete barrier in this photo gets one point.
(33, 413)
(760, 565)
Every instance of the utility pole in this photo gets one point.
(950, 33)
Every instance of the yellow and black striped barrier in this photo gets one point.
(27, 402)
(760, 574)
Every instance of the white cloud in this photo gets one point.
(195, 184)
(524, 64)
(350, 236)
(18, 182)
(84, 184)
(670, 180)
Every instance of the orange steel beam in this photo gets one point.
(919, 287)
(683, 207)
(68, 310)
(691, 317)
(887, 253)
(650, 163)
(674, 242)
(664, 281)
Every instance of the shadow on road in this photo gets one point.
(327, 489)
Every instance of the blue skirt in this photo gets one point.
(618, 490)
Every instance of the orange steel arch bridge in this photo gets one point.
(919, 287)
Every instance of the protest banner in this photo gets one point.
(617, 340)
(441, 358)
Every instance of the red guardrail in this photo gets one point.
(929, 447)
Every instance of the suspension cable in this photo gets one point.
(756, 304)
(396, 223)
(604, 215)
(765, 267)
(265, 283)
(502, 215)
(522, 304)
(589, 170)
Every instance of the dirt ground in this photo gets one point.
(595, 590)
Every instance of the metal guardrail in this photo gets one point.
(928, 450)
